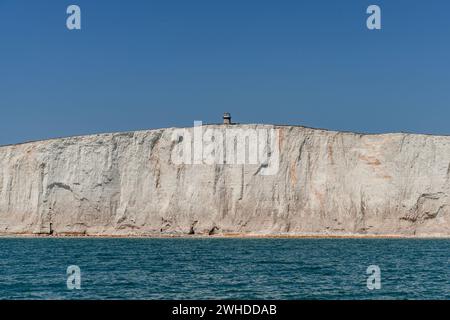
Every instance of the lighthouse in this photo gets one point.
(226, 118)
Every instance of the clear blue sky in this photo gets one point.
(149, 64)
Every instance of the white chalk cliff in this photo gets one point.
(327, 183)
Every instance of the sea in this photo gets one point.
(224, 268)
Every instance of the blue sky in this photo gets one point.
(149, 64)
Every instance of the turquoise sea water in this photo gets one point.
(224, 268)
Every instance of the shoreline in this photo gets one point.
(221, 236)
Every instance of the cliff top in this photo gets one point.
(232, 125)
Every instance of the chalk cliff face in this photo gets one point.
(327, 183)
